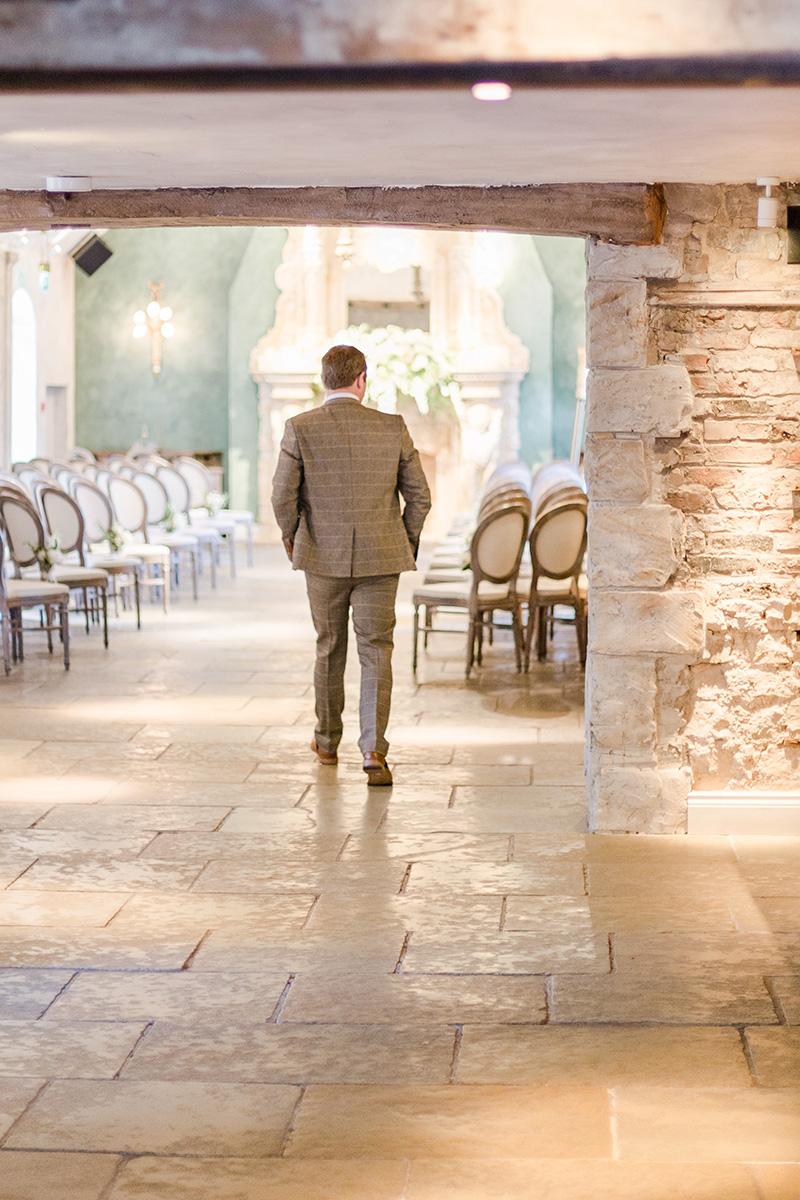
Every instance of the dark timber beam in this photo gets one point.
(626, 213)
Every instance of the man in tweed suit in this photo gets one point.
(336, 495)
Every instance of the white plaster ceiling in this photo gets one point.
(395, 137)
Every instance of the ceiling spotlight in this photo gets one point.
(68, 183)
(491, 91)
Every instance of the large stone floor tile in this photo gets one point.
(488, 774)
(36, 1174)
(122, 817)
(59, 724)
(75, 909)
(111, 753)
(690, 880)
(781, 914)
(95, 949)
(661, 1000)
(42, 842)
(78, 1050)
(181, 996)
(251, 819)
(15, 1096)
(21, 816)
(301, 1054)
(106, 873)
(218, 734)
(73, 786)
(450, 1122)
(786, 990)
(605, 1056)
(490, 847)
(683, 953)
(121, 1116)
(614, 913)
(387, 999)
(497, 879)
(228, 875)
(284, 793)
(337, 913)
(660, 848)
(777, 1181)
(262, 847)
(776, 1056)
(539, 953)
(24, 995)
(708, 1124)
(193, 911)
(581, 1179)
(267, 1179)
(227, 950)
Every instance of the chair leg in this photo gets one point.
(516, 625)
(194, 573)
(416, 637)
(581, 631)
(103, 597)
(471, 636)
(65, 632)
(5, 628)
(542, 617)
(136, 598)
(479, 639)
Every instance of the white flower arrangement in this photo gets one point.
(117, 537)
(405, 362)
(215, 502)
(49, 554)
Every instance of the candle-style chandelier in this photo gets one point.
(156, 320)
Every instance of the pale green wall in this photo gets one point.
(564, 260)
(528, 310)
(116, 394)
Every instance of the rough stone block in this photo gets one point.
(622, 695)
(656, 400)
(638, 622)
(616, 324)
(615, 469)
(745, 431)
(640, 800)
(634, 262)
(634, 546)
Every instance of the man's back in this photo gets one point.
(336, 491)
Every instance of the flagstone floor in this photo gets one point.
(227, 973)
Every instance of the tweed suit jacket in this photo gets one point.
(336, 491)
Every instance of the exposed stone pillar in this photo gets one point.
(693, 467)
(638, 615)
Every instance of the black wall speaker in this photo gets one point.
(91, 254)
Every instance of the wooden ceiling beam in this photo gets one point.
(626, 213)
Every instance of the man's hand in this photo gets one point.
(288, 544)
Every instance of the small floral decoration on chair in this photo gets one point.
(215, 502)
(47, 555)
(117, 537)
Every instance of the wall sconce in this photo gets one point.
(768, 205)
(156, 320)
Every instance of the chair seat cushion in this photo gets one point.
(76, 576)
(30, 591)
(458, 594)
(115, 564)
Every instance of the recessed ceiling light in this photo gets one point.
(491, 91)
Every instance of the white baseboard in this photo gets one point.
(772, 813)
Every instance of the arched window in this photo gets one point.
(23, 377)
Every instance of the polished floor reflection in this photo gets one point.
(228, 973)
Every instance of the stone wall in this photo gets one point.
(693, 462)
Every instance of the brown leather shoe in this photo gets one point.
(378, 774)
(328, 758)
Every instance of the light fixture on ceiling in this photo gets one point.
(156, 320)
(67, 184)
(768, 205)
(491, 90)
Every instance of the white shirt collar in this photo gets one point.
(342, 396)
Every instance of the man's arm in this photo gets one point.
(286, 484)
(413, 487)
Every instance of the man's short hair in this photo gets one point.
(342, 366)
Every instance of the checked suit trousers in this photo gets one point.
(372, 600)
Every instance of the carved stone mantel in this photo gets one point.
(460, 273)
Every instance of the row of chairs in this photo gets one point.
(525, 546)
(83, 503)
